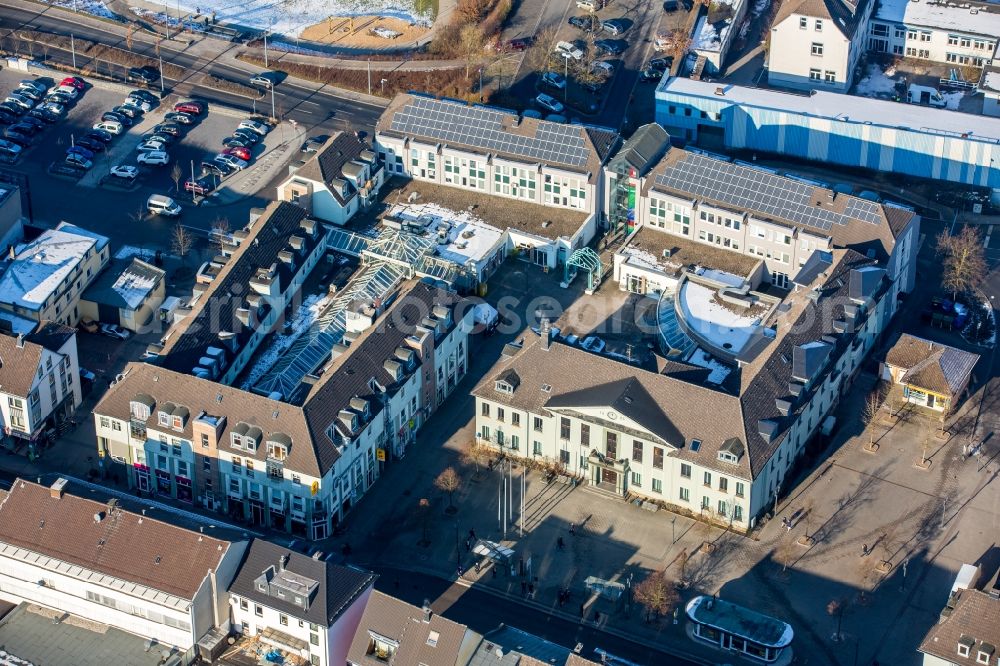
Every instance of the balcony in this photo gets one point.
(137, 430)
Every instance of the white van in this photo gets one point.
(925, 95)
(590, 5)
(161, 205)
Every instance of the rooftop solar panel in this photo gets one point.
(752, 189)
(483, 128)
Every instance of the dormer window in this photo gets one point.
(725, 456)
(965, 644)
(277, 451)
(380, 647)
(504, 387)
(731, 451)
(141, 406)
(985, 653)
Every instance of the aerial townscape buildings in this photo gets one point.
(500, 334)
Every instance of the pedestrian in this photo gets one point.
(572, 529)
(524, 587)
(472, 534)
(477, 566)
(531, 589)
(788, 524)
(494, 572)
(864, 550)
(560, 543)
(597, 616)
(583, 610)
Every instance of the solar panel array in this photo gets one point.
(482, 128)
(746, 188)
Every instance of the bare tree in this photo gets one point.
(449, 481)
(835, 608)
(176, 173)
(786, 553)
(678, 43)
(963, 260)
(476, 453)
(946, 413)
(682, 562)
(895, 399)
(537, 55)
(129, 35)
(869, 414)
(656, 594)
(219, 232)
(471, 40)
(181, 241)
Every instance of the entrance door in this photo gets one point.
(930, 400)
(610, 477)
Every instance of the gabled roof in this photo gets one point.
(215, 310)
(125, 284)
(339, 587)
(414, 631)
(845, 14)
(327, 165)
(18, 365)
(975, 622)
(932, 366)
(644, 148)
(51, 335)
(134, 548)
(818, 262)
(490, 130)
(627, 397)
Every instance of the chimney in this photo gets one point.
(546, 334)
(20, 340)
(57, 488)
(427, 610)
(282, 561)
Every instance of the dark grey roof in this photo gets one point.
(808, 359)
(628, 397)
(818, 262)
(216, 309)
(327, 165)
(339, 587)
(514, 645)
(864, 282)
(120, 276)
(643, 149)
(51, 335)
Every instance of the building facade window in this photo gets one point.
(685, 471)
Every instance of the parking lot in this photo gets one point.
(111, 205)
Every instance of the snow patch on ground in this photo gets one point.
(171, 21)
(92, 7)
(130, 251)
(952, 99)
(304, 318)
(719, 371)
(877, 83)
(291, 17)
(719, 325)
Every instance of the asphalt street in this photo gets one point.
(483, 612)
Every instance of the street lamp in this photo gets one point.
(383, 86)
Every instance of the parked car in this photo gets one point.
(255, 126)
(609, 46)
(614, 26)
(590, 5)
(115, 331)
(111, 126)
(242, 153)
(247, 135)
(6, 117)
(33, 83)
(201, 186)
(153, 158)
(144, 95)
(603, 68)
(118, 118)
(553, 80)
(70, 91)
(192, 107)
(58, 98)
(20, 138)
(30, 93)
(15, 110)
(93, 145)
(140, 104)
(569, 50)
(10, 148)
(520, 43)
(670, 5)
(101, 135)
(25, 103)
(34, 122)
(168, 128)
(147, 74)
(650, 75)
(126, 171)
(165, 139)
(88, 325)
(129, 111)
(74, 81)
(660, 64)
(232, 161)
(79, 161)
(81, 151)
(46, 116)
(586, 23)
(178, 117)
(217, 168)
(312, 144)
(235, 142)
(52, 108)
(550, 103)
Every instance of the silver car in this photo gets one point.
(232, 161)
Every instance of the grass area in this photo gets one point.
(448, 82)
(426, 8)
(230, 86)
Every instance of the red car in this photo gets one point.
(74, 81)
(520, 44)
(192, 107)
(242, 153)
(202, 186)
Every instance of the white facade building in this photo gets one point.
(816, 44)
(39, 381)
(942, 32)
(303, 606)
(98, 561)
(495, 152)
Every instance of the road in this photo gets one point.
(483, 612)
(307, 103)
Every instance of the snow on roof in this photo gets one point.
(134, 287)
(991, 80)
(719, 371)
(970, 18)
(41, 266)
(718, 324)
(834, 106)
(468, 236)
(720, 276)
